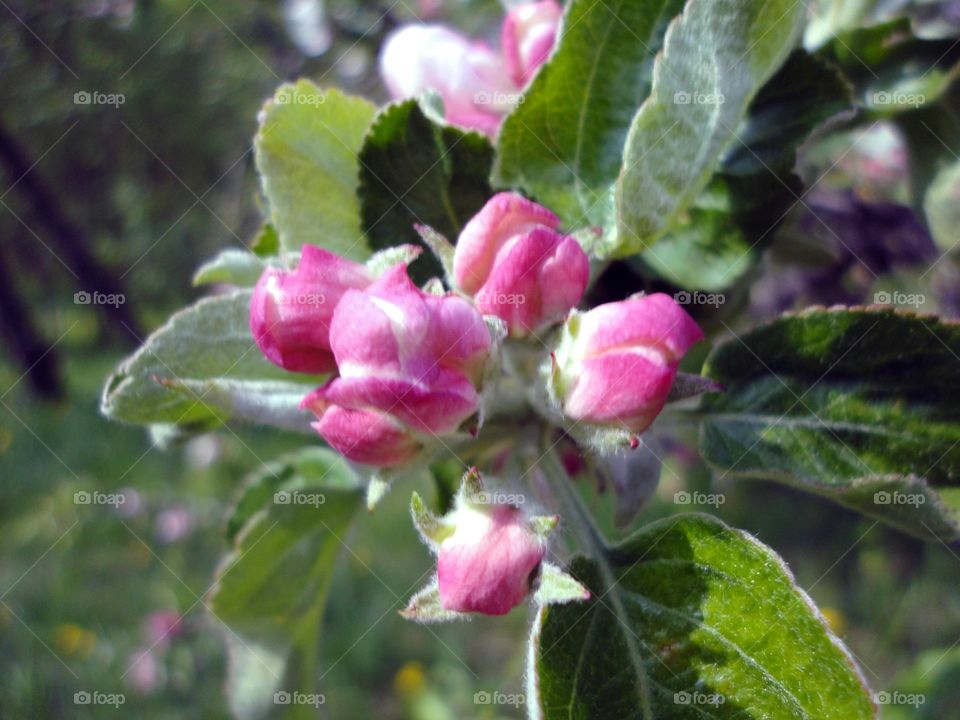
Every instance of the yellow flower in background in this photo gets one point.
(410, 679)
(71, 639)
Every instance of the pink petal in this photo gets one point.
(654, 321)
(527, 37)
(491, 572)
(439, 407)
(367, 436)
(622, 388)
(504, 216)
(290, 312)
(563, 280)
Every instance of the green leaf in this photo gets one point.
(716, 56)
(691, 619)
(830, 18)
(706, 250)
(306, 151)
(719, 239)
(295, 471)
(267, 243)
(416, 171)
(942, 207)
(564, 143)
(272, 589)
(858, 405)
(893, 70)
(232, 266)
(203, 368)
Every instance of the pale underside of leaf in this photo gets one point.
(715, 49)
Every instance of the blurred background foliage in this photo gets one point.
(130, 199)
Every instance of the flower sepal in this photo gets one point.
(388, 258)
(441, 248)
(555, 587)
(425, 607)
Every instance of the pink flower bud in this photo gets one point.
(517, 266)
(410, 365)
(615, 364)
(528, 35)
(489, 562)
(159, 627)
(470, 77)
(290, 312)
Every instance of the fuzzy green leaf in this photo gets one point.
(942, 206)
(415, 171)
(231, 266)
(306, 151)
(719, 239)
(690, 619)
(203, 368)
(564, 143)
(271, 590)
(860, 405)
(717, 55)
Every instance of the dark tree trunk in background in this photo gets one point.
(23, 340)
(65, 238)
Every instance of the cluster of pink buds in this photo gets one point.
(479, 85)
(412, 368)
(513, 262)
(409, 363)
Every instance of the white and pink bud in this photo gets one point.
(615, 364)
(411, 365)
(470, 77)
(291, 311)
(490, 556)
(479, 85)
(528, 35)
(517, 266)
(489, 563)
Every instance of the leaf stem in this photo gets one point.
(597, 547)
(579, 517)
